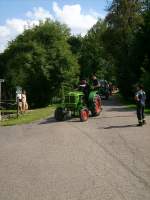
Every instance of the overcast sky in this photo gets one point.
(79, 15)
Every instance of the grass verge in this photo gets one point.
(29, 116)
(130, 104)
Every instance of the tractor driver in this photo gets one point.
(95, 82)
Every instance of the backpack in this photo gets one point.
(142, 98)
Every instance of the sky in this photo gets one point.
(79, 15)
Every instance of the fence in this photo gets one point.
(9, 109)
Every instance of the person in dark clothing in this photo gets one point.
(95, 82)
(110, 87)
(140, 98)
(85, 88)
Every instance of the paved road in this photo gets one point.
(106, 158)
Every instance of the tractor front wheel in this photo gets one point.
(59, 114)
(84, 114)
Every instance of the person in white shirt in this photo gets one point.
(24, 101)
(19, 101)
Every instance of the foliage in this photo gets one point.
(75, 44)
(123, 19)
(143, 41)
(42, 62)
(94, 59)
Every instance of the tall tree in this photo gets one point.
(143, 42)
(94, 58)
(42, 62)
(123, 20)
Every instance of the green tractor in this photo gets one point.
(75, 104)
(104, 89)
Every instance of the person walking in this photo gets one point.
(140, 98)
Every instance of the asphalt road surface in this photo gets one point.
(105, 158)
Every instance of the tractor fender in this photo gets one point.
(92, 95)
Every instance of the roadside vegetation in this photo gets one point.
(30, 116)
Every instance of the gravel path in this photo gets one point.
(105, 158)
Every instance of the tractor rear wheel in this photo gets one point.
(97, 106)
(84, 114)
(59, 114)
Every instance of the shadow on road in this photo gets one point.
(120, 109)
(118, 116)
(49, 120)
(121, 126)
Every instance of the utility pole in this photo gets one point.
(1, 81)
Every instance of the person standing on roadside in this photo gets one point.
(19, 101)
(140, 98)
(24, 101)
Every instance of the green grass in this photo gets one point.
(29, 116)
(9, 111)
(130, 104)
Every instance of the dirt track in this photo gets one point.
(106, 158)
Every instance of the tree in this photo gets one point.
(143, 42)
(42, 62)
(94, 59)
(76, 44)
(123, 21)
